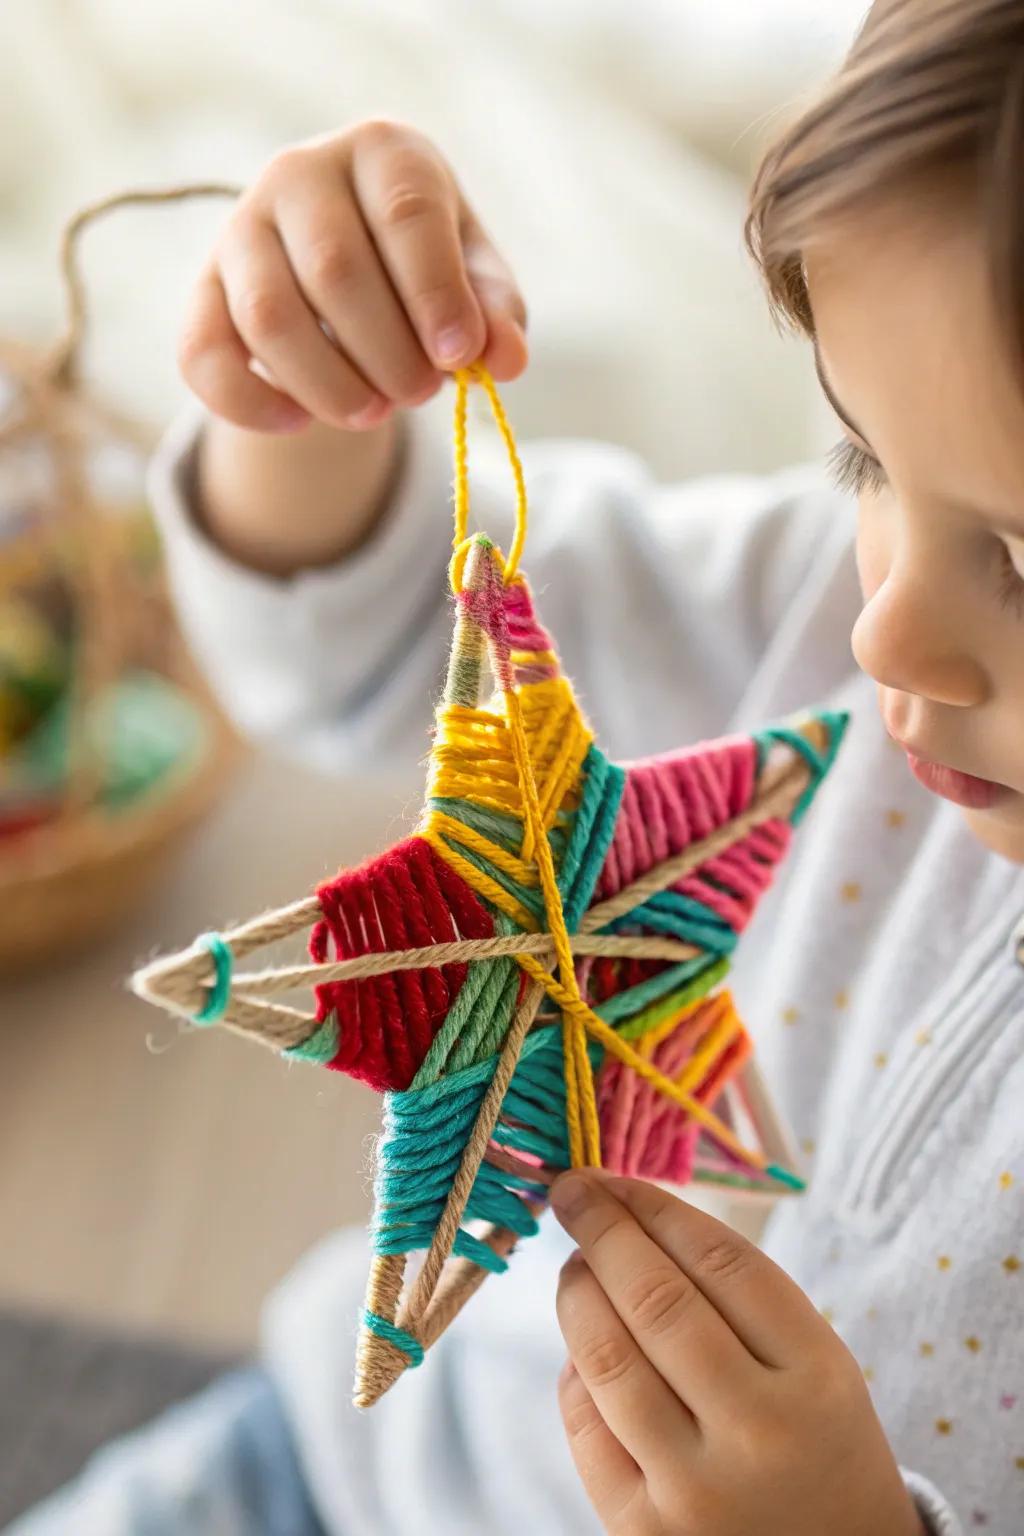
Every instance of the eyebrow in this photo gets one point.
(830, 396)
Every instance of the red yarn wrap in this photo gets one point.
(406, 898)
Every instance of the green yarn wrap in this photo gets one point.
(216, 1004)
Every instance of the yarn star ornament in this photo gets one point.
(532, 978)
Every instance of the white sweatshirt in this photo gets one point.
(878, 978)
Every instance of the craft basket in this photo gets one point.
(131, 750)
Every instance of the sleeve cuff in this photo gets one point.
(287, 654)
(940, 1519)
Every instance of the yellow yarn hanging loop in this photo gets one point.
(535, 854)
(457, 566)
(477, 373)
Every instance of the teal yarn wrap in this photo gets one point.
(681, 917)
(819, 763)
(410, 1347)
(592, 832)
(426, 1129)
(791, 1180)
(216, 1004)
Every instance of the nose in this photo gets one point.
(911, 639)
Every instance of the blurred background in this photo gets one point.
(154, 1184)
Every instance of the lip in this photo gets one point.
(961, 788)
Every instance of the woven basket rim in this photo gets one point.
(96, 835)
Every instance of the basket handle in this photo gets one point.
(101, 642)
(62, 361)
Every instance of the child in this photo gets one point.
(868, 1376)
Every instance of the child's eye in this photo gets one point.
(1011, 579)
(854, 470)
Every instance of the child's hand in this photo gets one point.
(704, 1395)
(366, 233)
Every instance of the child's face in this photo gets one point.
(911, 349)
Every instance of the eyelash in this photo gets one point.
(851, 469)
(1011, 583)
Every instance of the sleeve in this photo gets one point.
(938, 1517)
(661, 599)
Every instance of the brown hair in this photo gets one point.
(930, 89)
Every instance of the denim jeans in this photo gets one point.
(221, 1464)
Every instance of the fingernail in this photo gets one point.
(569, 1195)
(451, 343)
(371, 415)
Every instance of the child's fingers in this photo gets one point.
(279, 329)
(758, 1300)
(215, 366)
(500, 299)
(636, 1403)
(675, 1325)
(410, 206)
(339, 271)
(609, 1474)
(507, 353)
